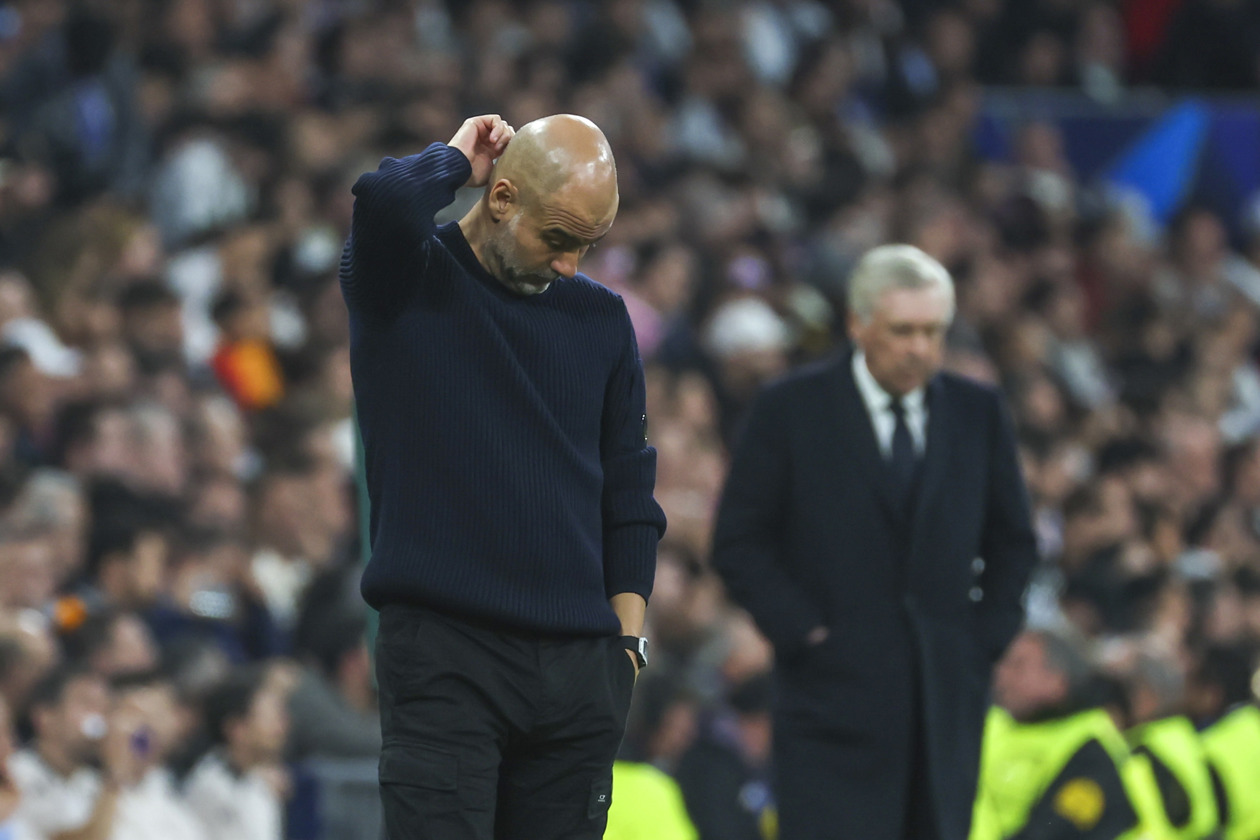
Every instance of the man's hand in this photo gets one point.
(634, 660)
(124, 762)
(817, 636)
(482, 140)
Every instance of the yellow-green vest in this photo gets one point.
(984, 819)
(1178, 747)
(646, 805)
(1233, 747)
(1020, 761)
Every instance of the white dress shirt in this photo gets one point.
(878, 403)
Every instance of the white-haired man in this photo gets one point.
(875, 524)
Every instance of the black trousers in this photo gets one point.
(492, 734)
(810, 809)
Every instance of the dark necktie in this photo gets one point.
(902, 458)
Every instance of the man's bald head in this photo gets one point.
(556, 152)
(551, 196)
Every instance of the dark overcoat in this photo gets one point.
(920, 600)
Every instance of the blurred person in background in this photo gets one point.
(648, 803)
(211, 597)
(1054, 763)
(1160, 731)
(83, 760)
(12, 827)
(333, 709)
(114, 643)
(245, 361)
(876, 526)
(1224, 686)
(28, 572)
(28, 651)
(293, 544)
(129, 549)
(28, 399)
(235, 790)
(151, 808)
(725, 776)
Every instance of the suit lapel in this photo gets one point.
(941, 429)
(857, 434)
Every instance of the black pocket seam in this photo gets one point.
(418, 765)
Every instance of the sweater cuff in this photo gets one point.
(456, 168)
(630, 560)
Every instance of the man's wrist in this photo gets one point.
(637, 647)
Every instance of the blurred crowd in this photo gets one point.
(180, 628)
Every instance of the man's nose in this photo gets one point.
(566, 264)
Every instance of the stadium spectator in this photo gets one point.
(333, 708)
(725, 775)
(238, 788)
(76, 731)
(1052, 756)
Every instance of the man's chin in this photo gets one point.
(529, 285)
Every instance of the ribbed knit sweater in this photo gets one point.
(508, 471)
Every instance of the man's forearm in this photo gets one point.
(630, 608)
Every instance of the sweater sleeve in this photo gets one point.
(632, 520)
(393, 218)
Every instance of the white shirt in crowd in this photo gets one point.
(877, 406)
(16, 829)
(232, 806)
(154, 810)
(52, 803)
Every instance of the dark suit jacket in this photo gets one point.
(920, 604)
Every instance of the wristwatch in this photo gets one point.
(638, 646)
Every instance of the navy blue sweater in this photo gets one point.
(507, 466)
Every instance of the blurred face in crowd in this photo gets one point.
(904, 338)
(74, 727)
(158, 458)
(137, 578)
(27, 394)
(108, 452)
(28, 572)
(130, 650)
(265, 729)
(1026, 683)
(165, 723)
(156, 330)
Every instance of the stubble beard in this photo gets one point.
(506, 270)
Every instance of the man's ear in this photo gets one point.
(501, 199)
(855, 326)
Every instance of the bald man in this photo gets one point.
(501, 401)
